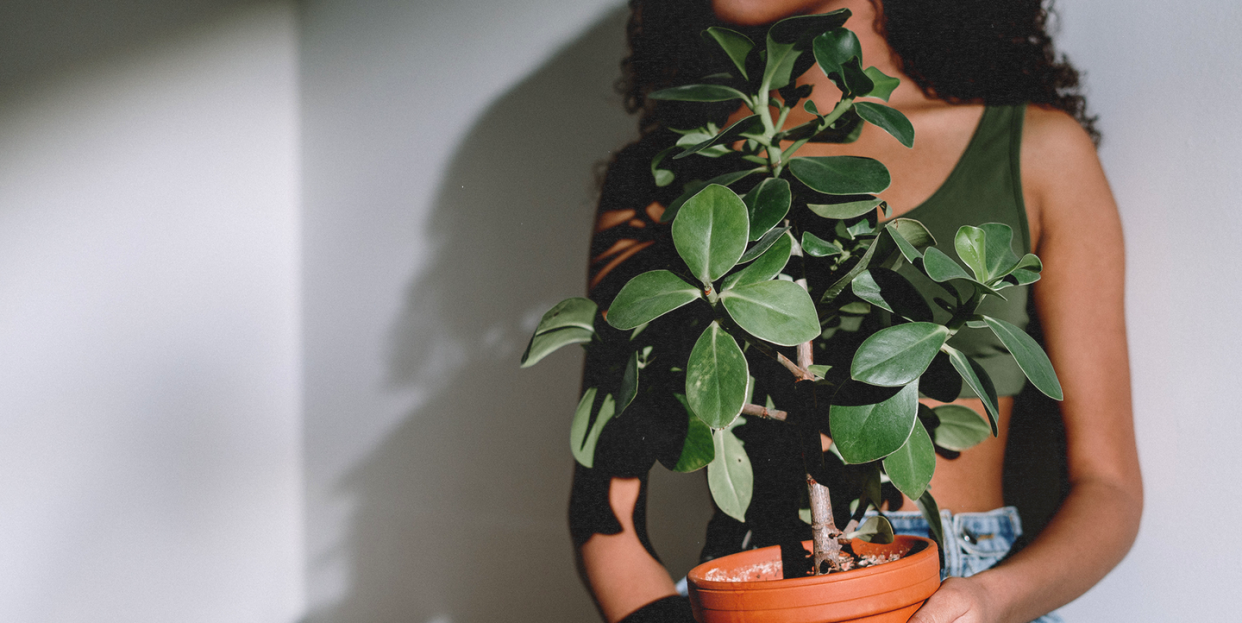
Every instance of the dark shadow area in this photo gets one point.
(39, 37)
(461, 509)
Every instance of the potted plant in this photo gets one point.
(794, 259)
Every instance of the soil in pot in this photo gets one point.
(749, 586)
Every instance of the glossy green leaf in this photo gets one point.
(763, 269)
(815, 246)
(910, 236)
(888, 119)
(767, 203)
(840, 284)
(573, 312)
(941, 268)
(764, 243)
(931, 513)
(729, 475)
(789, 38)
(877, 529)
(899, 354)
(649, 296)
(589, 421)
(629, 384)
(698, 93)
(835, 47)
(857, 83)
(841, 175)
(912, 465)
(870, 423)
(777, 311)
(1030, 357)
(977, 379)
(1025, 272)
(732, 133)
(890, 291)
(961, 428)
(544, 344)
(710, 232)
(734, 43)
(883, 84)
(986, 250)
(819, 370)
(662, 177)
(698, 449)
(689, 190)
(716, 377)
(845, 210)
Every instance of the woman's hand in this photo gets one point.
(959, 600)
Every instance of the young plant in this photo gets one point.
(801, 268)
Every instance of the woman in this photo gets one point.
(991, 60)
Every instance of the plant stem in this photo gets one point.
(823, 528)
(764, 412)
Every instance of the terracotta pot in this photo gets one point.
(886, 593)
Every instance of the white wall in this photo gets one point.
(149, 362)
(1165, 82)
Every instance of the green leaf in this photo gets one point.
(544, 344)
(912, 465)
(986, 250)
(834, 48)
(1030, 357)
(876, 529)
(888, 119)
(710, 232)
(941, 268)
(819, 370)
(629, 384)
(789, 38)
(960, 428)
(716, 377)
(689, 190)
(979, 382)
(931, 513)
(845, 210)
(740, 127)
(734, 43)
(729, 475)
(662, 177)
(649, 296)
(899, 354)
(573, 312)
(765, 268)
(837, 287)
(698, 449)
(883, 84)
(589, 421)
(910, 236)
(698, 93)
(1025, 272)
(767, 203)
(777, 311)
(841, 175)
(765, 243)
(890, 291)
(870, 423)
(815, 246)
(857, 83)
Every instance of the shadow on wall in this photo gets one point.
(461, 510)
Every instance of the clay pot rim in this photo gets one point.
(695, 576)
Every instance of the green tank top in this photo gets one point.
(984, 187)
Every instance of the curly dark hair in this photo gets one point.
(988, 51)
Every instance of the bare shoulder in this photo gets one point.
(1061, 173)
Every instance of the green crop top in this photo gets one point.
(984, 187)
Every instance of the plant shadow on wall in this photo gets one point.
(460, 511)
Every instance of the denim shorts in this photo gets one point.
(974, 542)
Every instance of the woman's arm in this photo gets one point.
(1080, 300)
(620, 572)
